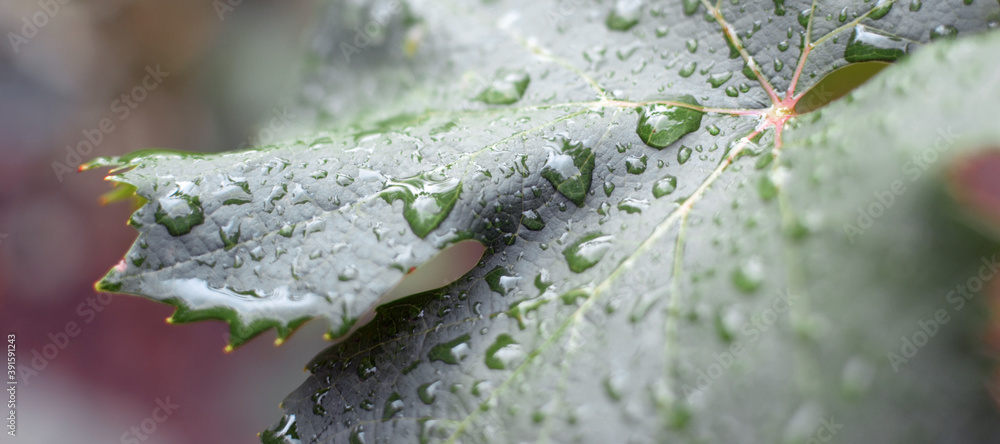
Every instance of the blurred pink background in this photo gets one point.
(229, 67)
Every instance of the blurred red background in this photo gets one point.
(229, 66)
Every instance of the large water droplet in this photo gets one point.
(631, 205)
(428, 392)
(688, 69)
(635, 165)
(179, 213)
(664, 186)
(749, 276)
(393, 405)
(881, 9)
(451, 352)
(507, 87)
(625, 15)
(532, 221)
(504, 353)
(943, 31)
(661, 125)
(868, 44)
(717, 80)
(427, 200)
(683, 154)
(569, 168)
(587, 251)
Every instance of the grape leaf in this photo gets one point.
(669, 246)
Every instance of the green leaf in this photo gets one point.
(759, 302)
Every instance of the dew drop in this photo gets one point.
(632, 205)
(666, 185)
(179, 213)
(881, 9)
(587, 251)
(504, 353)
(624, 15)
(661, 125)
(532, 220)
(451, 352)
(749, 276)
(427, 200)
(683, 154)
(569, 169)
(507, 87)
(688, 69)
(943, 31)
(868, 44)
(635, 165)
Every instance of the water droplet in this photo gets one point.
(717, 80)
(393, 405)
(713, 130)
(587, 251)
(287, 230)
(778, 64)
(635, 165)
(317, 399)
(532, 221)
(609, 187)
(344, 180)
(427, 200)
(915, 5)
(507, 87)
(688, 69)
(683, 154)
(692, 45)
(350, 273)
(234, 191)
(631, 205)
(427, 392)
(624, 15)
(662, 125)
(179, 213)
(779, 7)
(881, 9)
(749, 276)
(869, 44)
(230, 233)
(451, 352)
(943, 31)
(569, 169)
(691, 6)
(504, 353)
(664, 186)
(804, 17)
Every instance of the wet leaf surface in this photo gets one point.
(673, 254)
